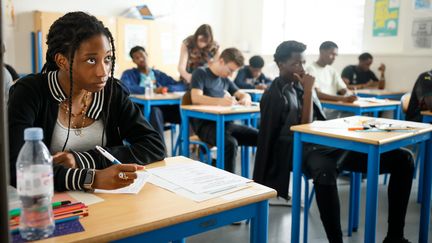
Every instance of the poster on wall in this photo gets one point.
(134, 35)
(386, 18)
(423, 4)
(422, 33)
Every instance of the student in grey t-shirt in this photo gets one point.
(211, 86)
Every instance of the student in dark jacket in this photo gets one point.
(421, 97)
(251, 77)
(135, 80)
(291, 100)
(78, 104)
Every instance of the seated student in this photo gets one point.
(328, 82)
(211, 86)
(290, 101)
(361, 77)
(135, 80)
(421, 97)
(78, 104)
(251, 77)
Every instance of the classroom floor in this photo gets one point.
(280, 220)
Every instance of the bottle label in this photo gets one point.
(35, 180)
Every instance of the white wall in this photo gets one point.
(185, 15)
(403, 63)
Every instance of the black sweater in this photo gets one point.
(34, 102)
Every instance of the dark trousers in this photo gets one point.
(321, 165)
(235, 135)
(159, 115)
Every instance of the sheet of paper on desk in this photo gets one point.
(334, 124)
(197, 197)
(397, 124)
(370, 100)
(199, 177)
(131, 189)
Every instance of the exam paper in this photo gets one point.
(197, 197)
(199, 177)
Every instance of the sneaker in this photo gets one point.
(237, 223)
(397, 240)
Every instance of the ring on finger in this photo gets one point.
(123, 176)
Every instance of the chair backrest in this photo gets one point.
(187, 98)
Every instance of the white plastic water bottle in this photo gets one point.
(151, 87)
(148, 87)
(35, 186)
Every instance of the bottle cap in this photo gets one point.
(33, 133)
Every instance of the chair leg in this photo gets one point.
(306, 210)
(173, 132)
(421, 157)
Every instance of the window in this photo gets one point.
(312, 22)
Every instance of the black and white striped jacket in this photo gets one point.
(34, 102)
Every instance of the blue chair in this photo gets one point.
(173, 128)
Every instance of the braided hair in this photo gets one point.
(65, 36)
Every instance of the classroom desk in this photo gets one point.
(220, 115)
(358, 108)
(156, 99)
(427, 116)
(380, 93)
(255, 94)
(372, 143)
(158, 215)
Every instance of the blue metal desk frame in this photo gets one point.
(353, 217)
(426, 119)
(373, 152)
(220, 120)
(255, 97)
(382, 96)
(149, 103)
(357, 110)
(257, 212)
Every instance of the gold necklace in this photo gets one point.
(83, 113)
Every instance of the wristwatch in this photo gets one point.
(88, 180)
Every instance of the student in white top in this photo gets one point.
(328, 82)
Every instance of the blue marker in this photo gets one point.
(108, 155)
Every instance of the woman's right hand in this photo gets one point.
(108, 178)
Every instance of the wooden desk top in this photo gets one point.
(379, 92)
(213, 109)
(362, 104)
(256, 91)
(122, 215)
(338, 130)
(168, 96)
(426, 113)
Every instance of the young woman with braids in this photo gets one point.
(79, 105)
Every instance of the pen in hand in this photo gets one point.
(108, 155)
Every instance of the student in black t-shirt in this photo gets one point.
(421, 97)
(251, 77)
(360, 76)
(290, 100)
(211, 86)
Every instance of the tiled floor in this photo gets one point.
(280, 221)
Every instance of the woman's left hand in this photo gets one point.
(64, 158)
